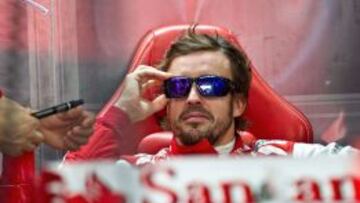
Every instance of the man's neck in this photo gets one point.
(225, 148)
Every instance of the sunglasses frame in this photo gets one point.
(231, 86)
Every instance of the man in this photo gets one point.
(206, 81)
(21, 132)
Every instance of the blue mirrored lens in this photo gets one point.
(207, 86)
(213, 86)
(177, 87)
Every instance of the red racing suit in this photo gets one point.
(111, 129)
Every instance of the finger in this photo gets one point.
(151, 83)
(159, 103)
(142, 66)
(72, 114)
(69, 145)
(150, 73)
(79, 140)
(78, 131)
(88, 120)
(79, 135)
(36, 137)
(151, 89)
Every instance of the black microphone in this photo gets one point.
(58, 108)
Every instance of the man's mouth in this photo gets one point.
(195, 117)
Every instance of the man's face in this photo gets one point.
(194, 117)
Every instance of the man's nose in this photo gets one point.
(194, 97)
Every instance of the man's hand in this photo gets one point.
(17, 129)
(132, 102)
(68, 130)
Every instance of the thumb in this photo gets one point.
(159, 103)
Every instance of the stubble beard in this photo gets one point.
(192, 133)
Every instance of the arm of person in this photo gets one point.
(116, 126)
(105, 143)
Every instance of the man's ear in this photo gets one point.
(239, 105)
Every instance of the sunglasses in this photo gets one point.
(207, 86)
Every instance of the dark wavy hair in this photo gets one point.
(192, 42)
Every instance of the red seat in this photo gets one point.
(270, 116)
